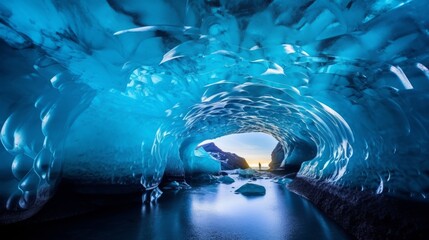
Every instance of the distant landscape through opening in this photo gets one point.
(255, 147)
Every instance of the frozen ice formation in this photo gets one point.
(203, 162)
(117, 93)
(251, 189)
(228, 161)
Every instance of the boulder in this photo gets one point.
(251, 189)
(277, 156)
(226, 179)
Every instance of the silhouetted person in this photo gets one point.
(259, 166)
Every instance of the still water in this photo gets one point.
(204, 212)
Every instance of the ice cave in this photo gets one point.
(112, 98)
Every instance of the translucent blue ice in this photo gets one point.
(116, 93)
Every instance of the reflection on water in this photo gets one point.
(215, 212)
(206, 212)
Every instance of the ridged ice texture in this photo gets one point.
(115, 92)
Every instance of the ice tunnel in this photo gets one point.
(119, 93)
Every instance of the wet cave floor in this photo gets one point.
(206, 211)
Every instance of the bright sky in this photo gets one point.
(254, 147)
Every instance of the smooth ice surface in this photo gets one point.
(203, 212)
(118, 93)
(203, 162)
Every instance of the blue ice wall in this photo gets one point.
(114, 93)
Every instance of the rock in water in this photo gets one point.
(246, 173)
(226, 180)
(172, 185)
(251, 189)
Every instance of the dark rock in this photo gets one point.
(246, 173)
(290, 175)
(277, 156)
(226, 180)
(229, 161)
(251, 189)
(202, 178)
(364, 214)
(172, 185)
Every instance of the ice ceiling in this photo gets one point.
(120, 92)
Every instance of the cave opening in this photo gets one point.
(241, 150)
